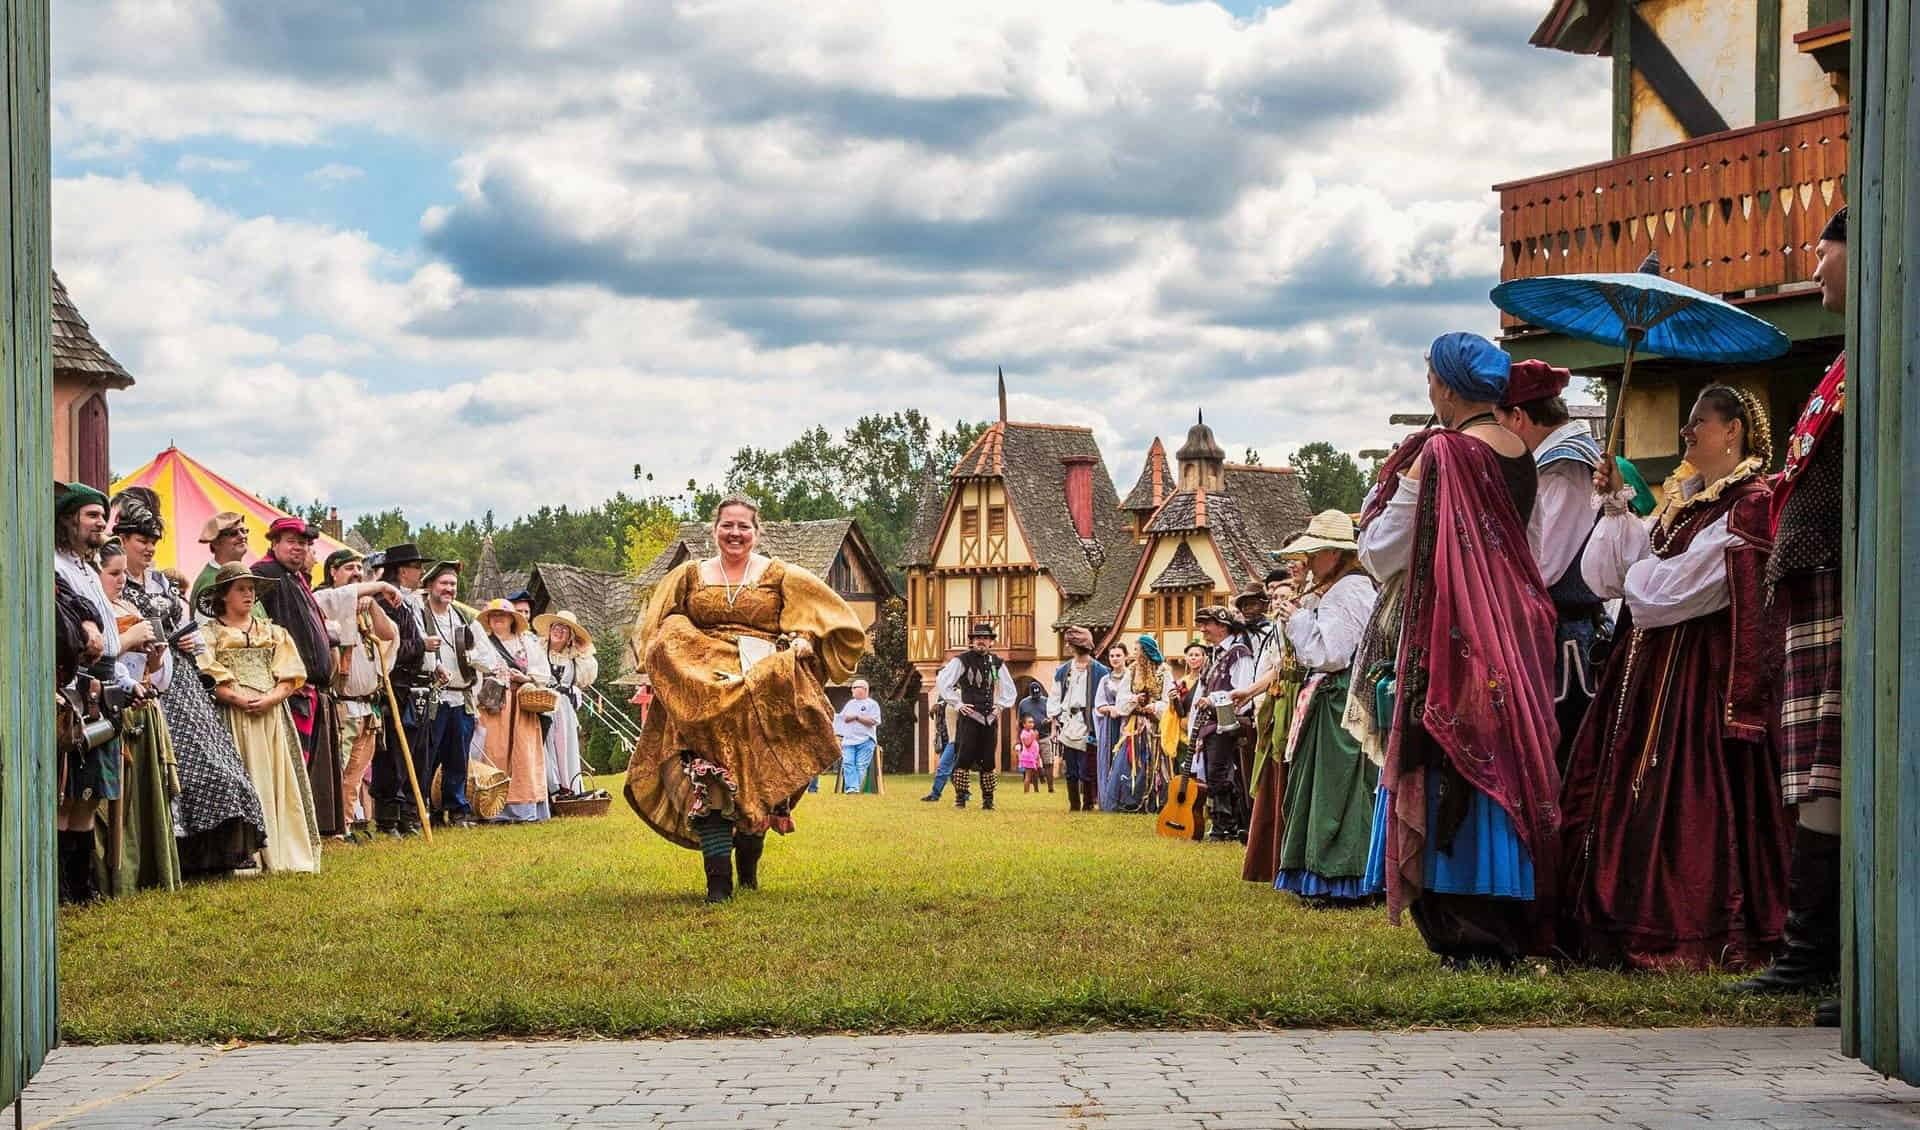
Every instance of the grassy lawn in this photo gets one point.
(882, 913)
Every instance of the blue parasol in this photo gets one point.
(1641, 311)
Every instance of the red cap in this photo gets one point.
(291, 526)
(1532, 380)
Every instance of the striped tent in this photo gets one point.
(190, 493)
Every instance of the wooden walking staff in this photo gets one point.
(406, 753)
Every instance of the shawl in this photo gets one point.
(1817, 419)
(1474, 674)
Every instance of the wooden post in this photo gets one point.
(1881, 775)
(29, 1020)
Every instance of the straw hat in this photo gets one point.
(544, 623)
(215, 594)
(501, 606)
(1330, 529)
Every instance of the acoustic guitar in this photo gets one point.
(1184, 816)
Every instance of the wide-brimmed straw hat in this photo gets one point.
(215, 594)
(1329, 529)
(502, 607)
(544, 623)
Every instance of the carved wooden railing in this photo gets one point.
(1015, 631)
(1731, 213)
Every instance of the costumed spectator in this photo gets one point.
(944, 717)
(1565, 456)
(140, 853)
(1220, 726)
(506, 734)
(1470, 829)
(1330, 784)
(366, 639)
(978, 686)
(1277, 677)
(225, 536)
(89, 777)
(1179, 719)
(522, 603)
(570, 657)
(720, 634)
(1803, 581)
(1108, 703)
(456, 653)
(255, 668)
(856, 725)
(1135, 719)
(1675, 837)
(216, 815)
(290, 604)
(1029, 756)
(394, 812)
(1076, 683)
(1034, 708)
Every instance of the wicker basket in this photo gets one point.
(584, 802)
(486, 789)
(536, 698)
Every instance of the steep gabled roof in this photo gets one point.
(1183, 571)
(1272, 502)
(605, 602)
(929, 506)
(1260, 510)
(1155, 484)
(812, 545)
(75, 351)
(358, 544)
(484, 582)
(1584, 27)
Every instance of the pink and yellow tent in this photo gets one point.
(190, 493)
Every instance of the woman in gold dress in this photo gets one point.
(738, 649)
(255, 667)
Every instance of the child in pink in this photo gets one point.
(1029, 757)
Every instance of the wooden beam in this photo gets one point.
(1663, 72)
(1622, 80)
(1766, 61)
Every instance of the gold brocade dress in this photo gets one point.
(743, 747)
(257, 657)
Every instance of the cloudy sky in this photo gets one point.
(460, 256)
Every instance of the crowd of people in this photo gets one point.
(246, 722)
(1524, 700)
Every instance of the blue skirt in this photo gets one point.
(1308, 885)
(1487, 859)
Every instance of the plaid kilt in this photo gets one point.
(1810, 694)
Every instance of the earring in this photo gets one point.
(1729, 449)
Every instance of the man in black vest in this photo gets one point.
(978, 686)
(290, 604)
(393, 809)
(448, 727)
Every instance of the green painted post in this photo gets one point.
(1766, 61)
(1881, 881)
(1622, 80)
(29, 1020)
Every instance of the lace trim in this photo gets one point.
(1670, 509)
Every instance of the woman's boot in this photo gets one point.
(719, 877)
(1810, 959)
(716, 854)
(746, 859)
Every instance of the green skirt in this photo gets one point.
(1330, 787)
(148, 854)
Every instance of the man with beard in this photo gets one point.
(1075, 684)
(290, 604)
(225, 536)
(977, 685)
(364, 633)
(1220, 725)
(394, 811)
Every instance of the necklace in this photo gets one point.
(733, 591)
(1472, 421)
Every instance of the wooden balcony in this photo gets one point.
(1733, 214)
(1015, 640)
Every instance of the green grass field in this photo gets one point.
(882, 913)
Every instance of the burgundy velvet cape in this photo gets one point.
(1474, 676)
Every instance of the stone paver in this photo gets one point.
(1734, 1079)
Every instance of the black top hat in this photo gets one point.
(406, 553)
(983, 628)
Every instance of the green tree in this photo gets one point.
(1332, 479)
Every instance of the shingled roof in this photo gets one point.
(1183, 571)
(1260, 510)
(75, 351)
(1273, 503)
(812, 545)
(929, 506)
(485, 581)
(605, 602)
(1156, 481)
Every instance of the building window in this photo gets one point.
(1019, 595)
(1150, 613)
(996, 521)
(970, 523)
(986, 596)
(913, 600)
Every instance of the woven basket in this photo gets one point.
(538, 699)
(486, 789)
(583, 806)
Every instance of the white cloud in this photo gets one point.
(680, 228)
(199, 163)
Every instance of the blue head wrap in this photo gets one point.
(1150, 648)
(1471, 366)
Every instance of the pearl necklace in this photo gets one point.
(733, 592)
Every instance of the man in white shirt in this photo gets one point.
(855, 726)
(978, 686)
(451, 665)
(1565, 455)
(366, 638)
(1075, 684)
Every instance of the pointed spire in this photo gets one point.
(1002, 373)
